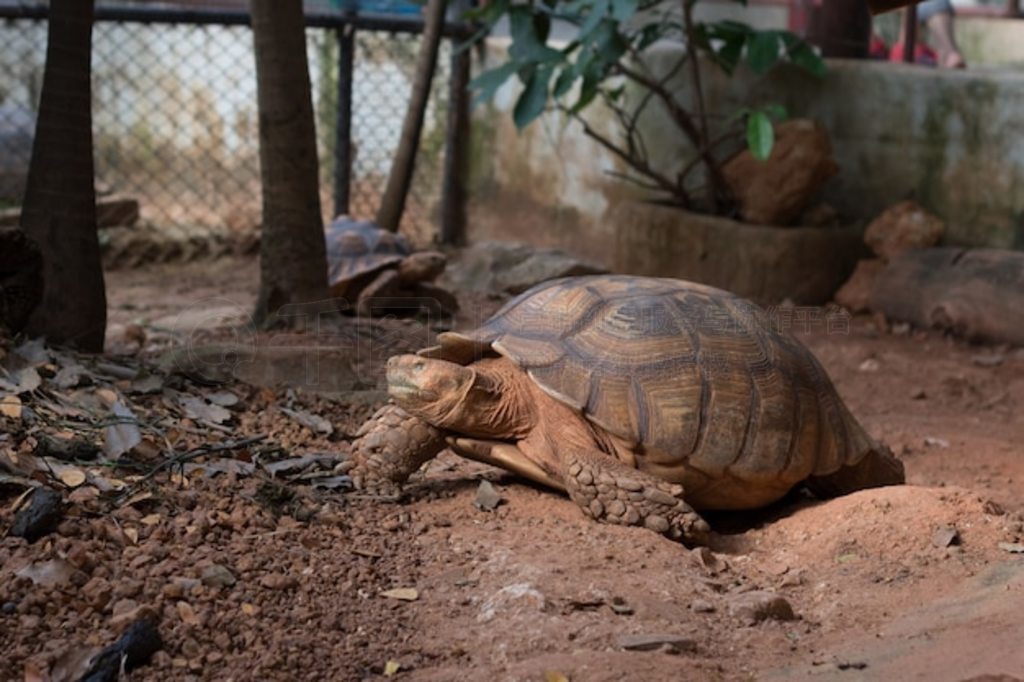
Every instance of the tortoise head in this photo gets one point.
(467, 400)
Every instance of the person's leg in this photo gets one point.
(937, 15)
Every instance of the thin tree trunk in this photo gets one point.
(293, 263)
(400, 178)
(59, 211)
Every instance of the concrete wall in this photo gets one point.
(954, 141)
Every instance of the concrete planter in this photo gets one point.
(766, 264)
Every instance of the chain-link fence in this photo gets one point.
(176, 123)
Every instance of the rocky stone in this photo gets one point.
(40, 517)
(670, 643)
(759, 605)
(217, 576)
(778, 190)
(278, 581)
(507, 267)
(127, 611)
(855, 294)
(903, 227)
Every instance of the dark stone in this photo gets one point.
(137, 645)
(41, 517)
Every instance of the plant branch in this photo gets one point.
(698, 89)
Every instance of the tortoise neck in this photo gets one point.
(497, 403)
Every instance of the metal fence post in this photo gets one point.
(343, 122)
(453, 191)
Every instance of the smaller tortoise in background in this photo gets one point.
(377, 270)
(644, 399)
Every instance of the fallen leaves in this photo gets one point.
(123, 435)
(401, 593)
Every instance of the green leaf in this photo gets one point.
(488, 82)
(564, 82)
(804, 56)
(760, 135)
(775, 112)
(763, 51)
(597, 13)
(534, 98)
(623, 10)
(527, 45)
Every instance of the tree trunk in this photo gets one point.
(59, 211)
(21, 278)
(293, 264)
(392, 205)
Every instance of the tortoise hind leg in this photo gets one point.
(609, 491)
(878, 468)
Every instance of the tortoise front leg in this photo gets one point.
(390, 447)
(609, 491)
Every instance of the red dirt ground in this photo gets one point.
(535, 591)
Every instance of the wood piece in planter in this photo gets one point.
(974, 293)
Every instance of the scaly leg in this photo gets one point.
(390, 447)
(609, 491)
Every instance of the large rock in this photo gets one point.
(902, 227)
(768, 265)
(855, 295)
(778, 190)
(512, 268)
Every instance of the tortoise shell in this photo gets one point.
(356, 250)
(697, 383)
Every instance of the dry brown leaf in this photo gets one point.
(311, 421)
(223, 398)
(391, 668)
(554, 676)
(150, 519)
(132, 534)
(250, 609)
(48, 573)
(10, 406)
(108, 396)
(72, 477)
(187, 614)
(402, 593)
(197, 408)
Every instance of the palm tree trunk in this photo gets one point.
(59, 211)
(392, 204)
(293, 264)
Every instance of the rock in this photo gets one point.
(777, 191)
(41, 517)
(946, 537)
(127, 611)
(759, 605)
(487, 498)
(217, 576)
(134, 648)
(903, 227)
(855, 294)
(278, 581)
(97, 593)
(702, 606)
(505, 267)
(675, 644)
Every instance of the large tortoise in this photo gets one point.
(644, 399)
(374, 269)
